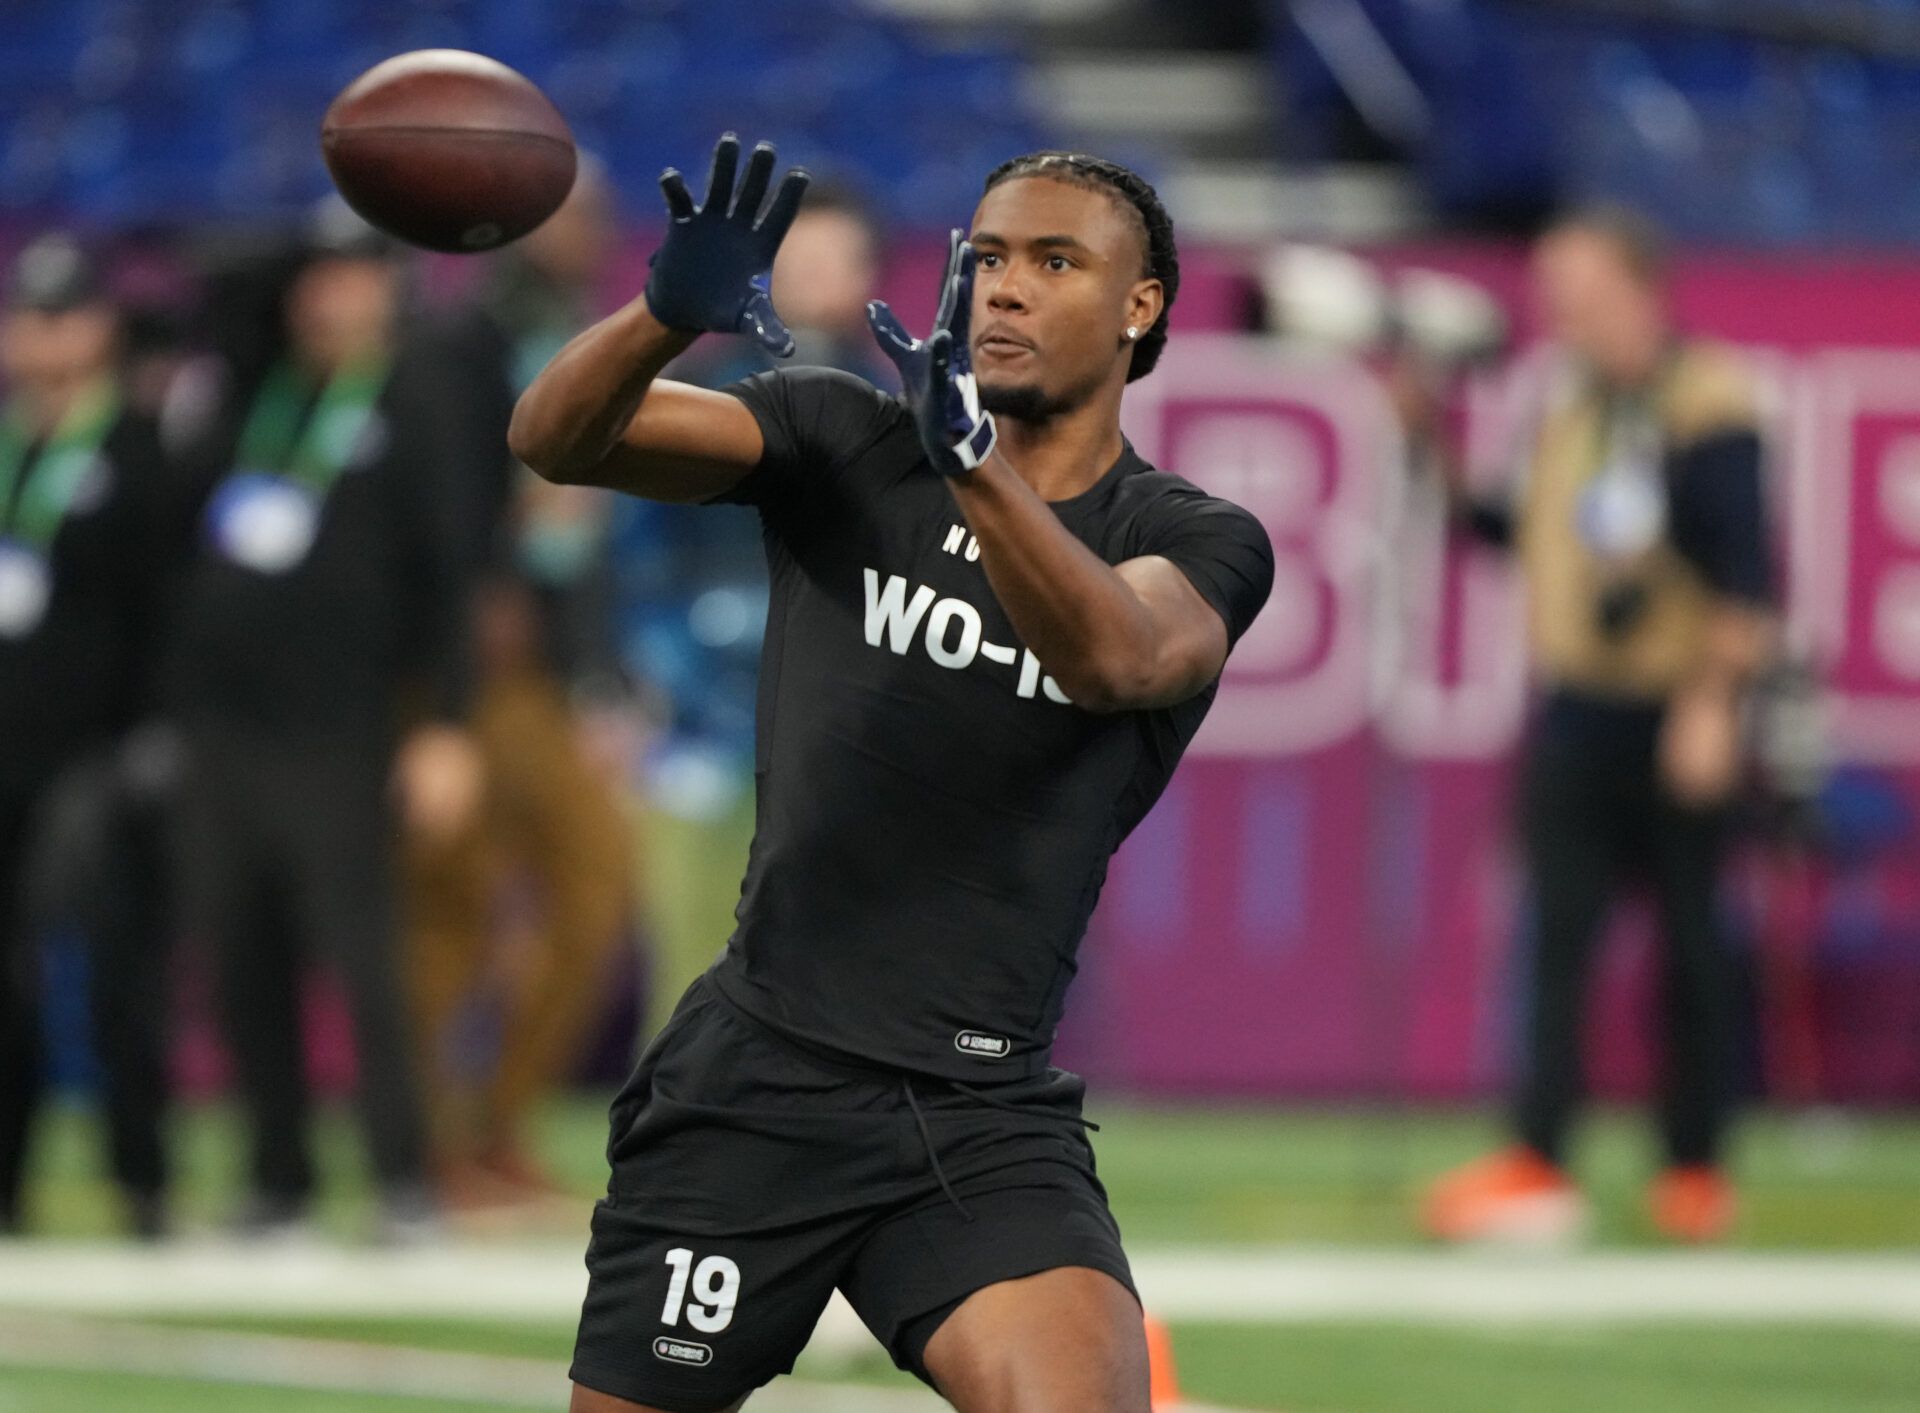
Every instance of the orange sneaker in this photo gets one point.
(513, 1165)
(1514, 1196)
(1693, 1203)
(465, 1186)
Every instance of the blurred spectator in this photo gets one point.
(86, 540)
(535, 296)
(826, 272)
(544, 290)
(523, 908)
(334, 582)
(552, 834)
(1639, 527)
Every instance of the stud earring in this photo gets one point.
(1132, 332)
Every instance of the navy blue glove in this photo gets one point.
(938, 374)
(712, 272)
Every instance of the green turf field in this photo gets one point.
(1197, 1175)
(1206, 1177)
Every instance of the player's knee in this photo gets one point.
(1088, 1376)
(1118, 1377)
(1110, 1382)
(1068, 1341)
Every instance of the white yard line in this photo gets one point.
(454, 1281)
(1255, 1285)
(1491, 1287)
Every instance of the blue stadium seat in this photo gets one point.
(1722, 138)
(129, 109)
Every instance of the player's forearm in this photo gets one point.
(1078, 616)
(570, 419)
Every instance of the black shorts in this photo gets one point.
(751, 1177)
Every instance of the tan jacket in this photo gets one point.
(1705, 389)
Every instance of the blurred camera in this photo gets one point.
(1334, 299)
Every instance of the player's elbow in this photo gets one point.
(534, 446)
(525, 439)
(1117, 684)
(1161, 672)
(1098, 697)
(551, 444)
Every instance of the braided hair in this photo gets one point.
(1134, 192)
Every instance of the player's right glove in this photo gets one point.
(712, 272)
(937, 372)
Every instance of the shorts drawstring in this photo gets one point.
(933, 1154)
(847, 1065)
(989, 1101)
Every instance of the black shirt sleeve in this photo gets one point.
(813, 421)
(1223, 551)
(1719, 513)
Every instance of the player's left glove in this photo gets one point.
(938, 373)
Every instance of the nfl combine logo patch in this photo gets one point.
(978, 1042)
(681, 1351)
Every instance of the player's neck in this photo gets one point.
(1061, 456)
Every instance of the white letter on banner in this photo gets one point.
(1299, 443)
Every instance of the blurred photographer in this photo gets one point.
(1639, 526)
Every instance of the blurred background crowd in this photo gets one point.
(338, 753)
(302, 670)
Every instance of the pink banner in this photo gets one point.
(1326, 901)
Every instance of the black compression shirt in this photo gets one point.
(321, 654)
(934, 819)
(83, 674)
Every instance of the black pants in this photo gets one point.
(130, 931)
(1596, 818)
(287, 859)
(20, 1055)
(111, 885)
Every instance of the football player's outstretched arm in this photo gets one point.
(1120, 637)
(598, 415)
